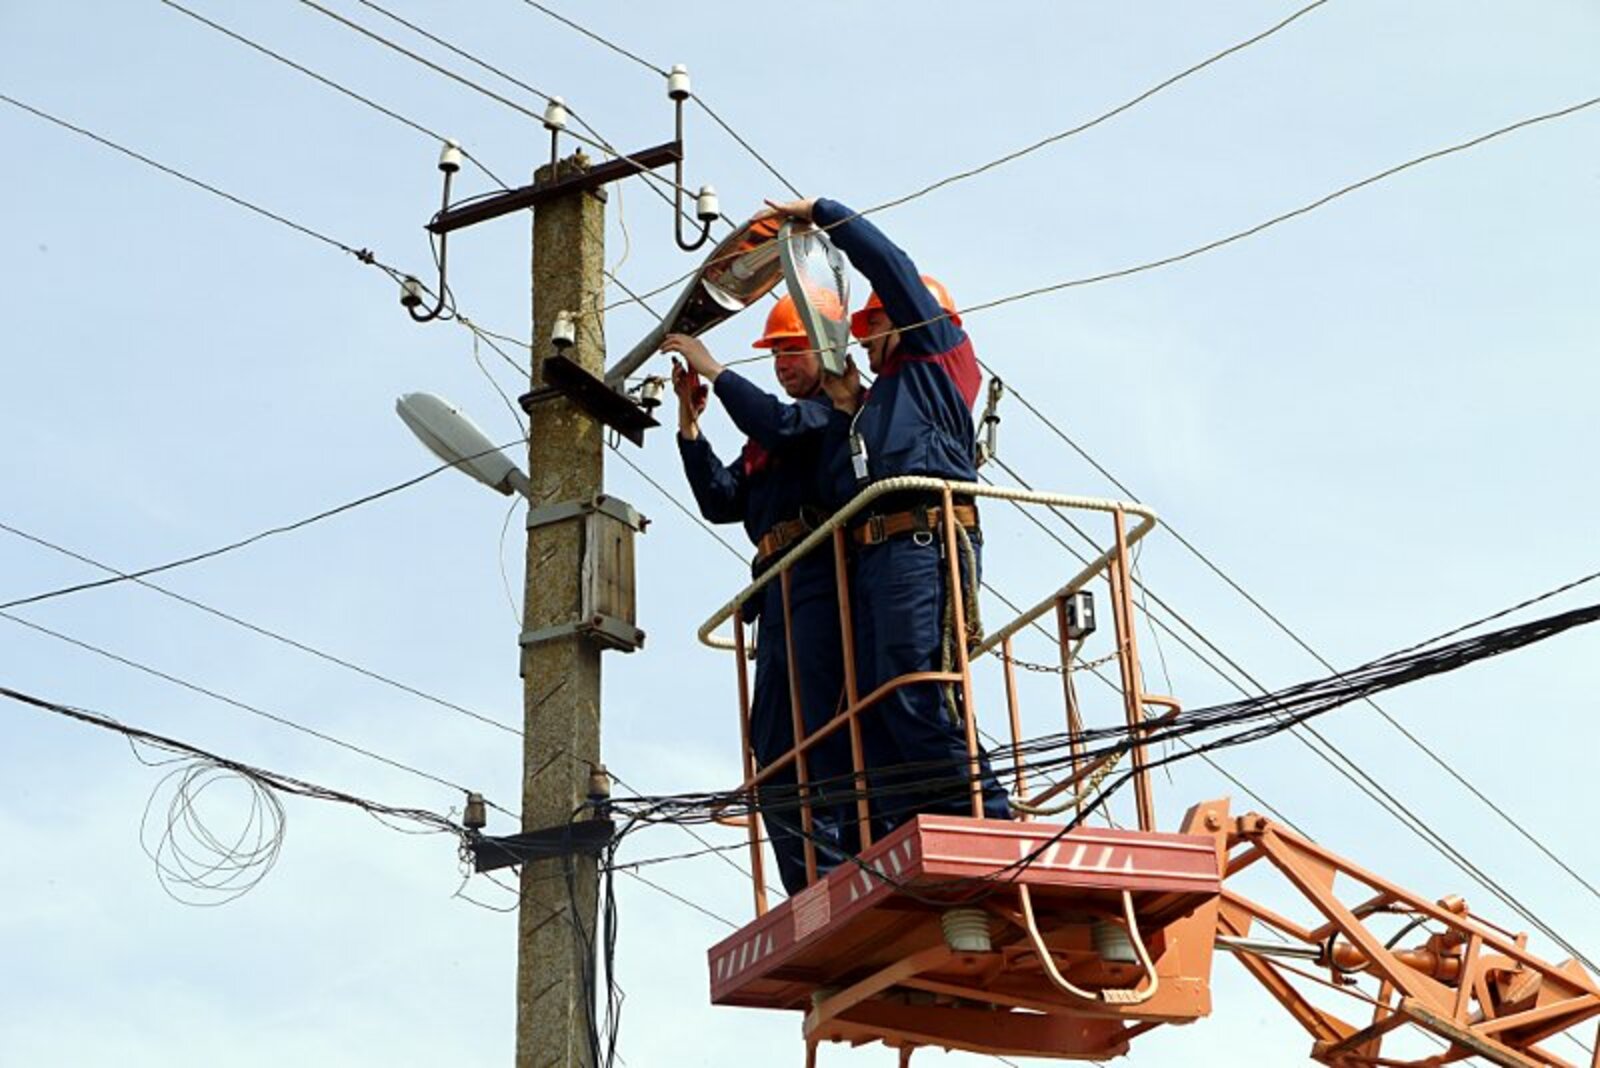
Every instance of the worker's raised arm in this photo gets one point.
(719, 489)
(770, 422)
(924, 327)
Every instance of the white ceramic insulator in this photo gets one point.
(410, 291)
(1112, 943)
(555, 114)
(565, 331)
(966, 930)
(705, 205)
(678, 82)
(450, 157)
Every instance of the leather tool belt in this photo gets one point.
(781, 537)
(878, 529)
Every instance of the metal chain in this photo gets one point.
(1057, 669)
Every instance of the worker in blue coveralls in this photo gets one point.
(773, 488)
(915, 420)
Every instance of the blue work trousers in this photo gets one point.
(818, 653)
(916, 752)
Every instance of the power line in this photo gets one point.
(432, 135)
(1135, 101)
(699, 101)
(1519, 606)
(680, 899)
(272, 779)
(486, 335)
(1206, 758)
(1250, 719)
(1408, 734)
(431, 65)
(346, 248)
(659, 488)
(331, 84)
(1291, 214)
(1370, 784)
(593, 141)
(746, 145)
(1416, 825)
(1073, 131)
(1239, 235)
(463, 54)
(265, 632)
(983, 167)
(720, 852)
(652, 180)
(364, 255)
(1363, 780)
(243, 542)
(242, 706)
(618, 49)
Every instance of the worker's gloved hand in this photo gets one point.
(690, 390)
(788, 209)
(694, 353)
(844, 390)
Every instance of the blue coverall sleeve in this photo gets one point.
(770, 422)
(894, 279)
(718, 489)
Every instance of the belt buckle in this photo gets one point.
(875, 530)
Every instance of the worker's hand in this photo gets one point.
(789, 209)
(691, 399)
(695, 354)
(844, 390)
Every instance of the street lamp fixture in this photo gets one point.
(455, 439)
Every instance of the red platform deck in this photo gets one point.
(869, 919)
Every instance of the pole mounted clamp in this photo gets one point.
(606, 630)
(604, 504)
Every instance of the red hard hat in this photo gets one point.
(783, 321)
(858, 319)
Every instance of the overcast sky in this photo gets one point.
(1379, 418)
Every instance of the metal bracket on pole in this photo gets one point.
(581, 837)
(605, 630)
(604, 503)
(565, 377)
(589, 180)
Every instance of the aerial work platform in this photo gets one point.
(1032, 938)
(905, 947)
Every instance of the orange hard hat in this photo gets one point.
(783, 321)
(858, 319)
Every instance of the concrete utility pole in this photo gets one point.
(560, 665)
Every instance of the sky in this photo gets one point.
(1378, 418)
